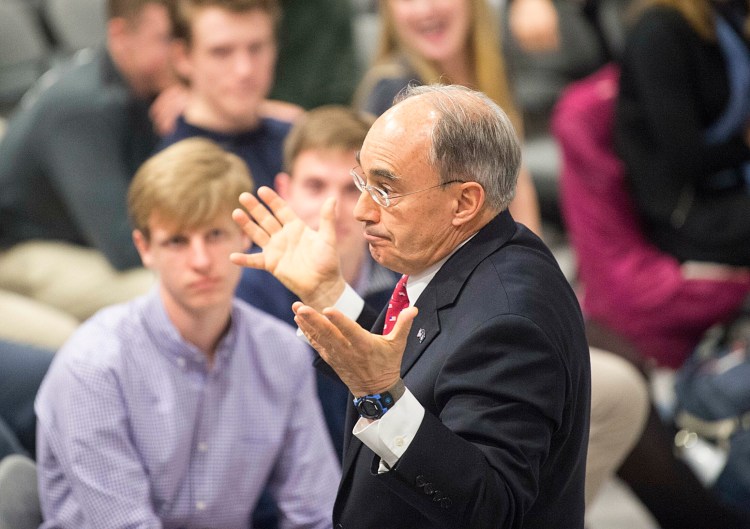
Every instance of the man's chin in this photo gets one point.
(380, 255)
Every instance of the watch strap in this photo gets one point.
(383, 401)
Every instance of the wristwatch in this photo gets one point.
(375, 406)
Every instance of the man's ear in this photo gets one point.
(469, 202)
(143, 245)
(116, 30)
(283, 183)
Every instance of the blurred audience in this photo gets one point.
(682, 127)
(640, 302)
(682, 130)
(226, 51)
(65, 164)
(535, 25)
(177, 408)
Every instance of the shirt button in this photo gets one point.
(200, 505)
(399, 441)
(202, 447)
(181, 362)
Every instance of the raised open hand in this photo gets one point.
(367, 363)
(304, 260)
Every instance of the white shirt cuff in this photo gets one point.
(349, 303)
(390, 436)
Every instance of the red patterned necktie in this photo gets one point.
(399, 301)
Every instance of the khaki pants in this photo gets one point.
(61, 282)
(25, 320)
(619, 408)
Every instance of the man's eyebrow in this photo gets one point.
(382, 173)
(385, 173)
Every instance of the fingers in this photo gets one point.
(257, 234)
(348, 328)
(277, 205)
(253, 260)
(327, 228)
(405, 319)
(319, 331)
(263, 218)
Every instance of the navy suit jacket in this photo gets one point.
(498, 358)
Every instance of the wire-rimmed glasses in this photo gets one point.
(381, 196)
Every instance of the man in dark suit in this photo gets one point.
(474, 408)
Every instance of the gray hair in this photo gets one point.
(473, 139)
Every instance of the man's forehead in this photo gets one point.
(169, 224)
(401, 132)
(327, 164)
(409, 115)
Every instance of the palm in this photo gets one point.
(303, 259)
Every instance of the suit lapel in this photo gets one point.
(448, 282)
(424, 329)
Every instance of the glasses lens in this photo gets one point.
(358, 180)
(379, 196)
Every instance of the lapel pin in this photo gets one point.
(421, 334)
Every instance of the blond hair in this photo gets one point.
(189, 183)
(330, 127)
(182, 12)
(485, 53)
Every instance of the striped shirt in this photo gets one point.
(135, 430)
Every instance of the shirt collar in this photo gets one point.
(174, 346)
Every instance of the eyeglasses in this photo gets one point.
(381, 196)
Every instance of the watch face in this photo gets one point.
(370, 408)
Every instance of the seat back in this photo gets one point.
(19, 499)
(75, 24)
(24, 51)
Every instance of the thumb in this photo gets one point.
(327, 227)
(403, 324)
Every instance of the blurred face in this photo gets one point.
(230, 65)
(317, 175)
(415, 231)
(193, 265)
(436, 30)
(145, 43)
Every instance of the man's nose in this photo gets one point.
(366, 210)
(199, 255)
(244, 64)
